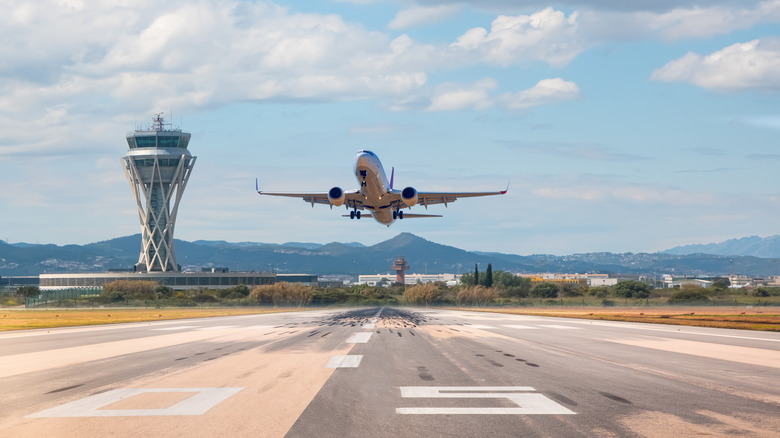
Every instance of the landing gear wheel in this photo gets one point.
(357, 214)
(352, 214)
(395, 215)
(400, 215)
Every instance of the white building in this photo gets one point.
(388, 279)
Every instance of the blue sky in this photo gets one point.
(623, 126)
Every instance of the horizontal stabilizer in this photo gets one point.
(412, 215)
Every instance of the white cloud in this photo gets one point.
(679, 22)
(547, 35)
(544, 92)
(449, 97)
(743, 66)
(422, 15)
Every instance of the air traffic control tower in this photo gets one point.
(157, 167)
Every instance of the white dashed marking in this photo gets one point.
(528, 403)
(479, 326)
(562, 327)
(218, 327)
(348, 361)
(201, 401)
(369, 326)
(359, 338)
(521, 327)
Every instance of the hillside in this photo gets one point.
(353, 259)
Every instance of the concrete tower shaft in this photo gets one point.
(158, 166)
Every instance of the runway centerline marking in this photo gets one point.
(199, 403)
(521, 327)
(479, 326)
(345, 361)
(529, 403)
(359, 338)
(561, 327)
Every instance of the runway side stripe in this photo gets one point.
(181, 327)
(345, 361)
(359, 338)
(562, 327)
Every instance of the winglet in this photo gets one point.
(503, 192)
(392, 175)
(257, 186)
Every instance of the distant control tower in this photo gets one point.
(157, 167)
(399, 266)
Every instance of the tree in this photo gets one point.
(631, 288)
(489, 276)
(545, 290)
(28, 291)
(476, 275)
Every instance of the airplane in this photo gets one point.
(377, 195)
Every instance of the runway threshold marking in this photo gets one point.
(369, 326)
(199, 403)
(359, 338)
(528, 402)
(345, 361)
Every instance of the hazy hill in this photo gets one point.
(353, 258)
(768, 247)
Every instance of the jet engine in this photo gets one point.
(336, 196)
(409, 196)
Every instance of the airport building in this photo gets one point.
(158, 165)
(409, 279)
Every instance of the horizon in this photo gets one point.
(412, 234)
(622, 127)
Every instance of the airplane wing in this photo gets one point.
(352, 199)
(432, 198)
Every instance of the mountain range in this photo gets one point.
(354, 258)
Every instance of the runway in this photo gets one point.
(389, 372)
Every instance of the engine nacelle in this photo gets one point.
(336, 196)
(409, 196)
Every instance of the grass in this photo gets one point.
(764, 319)
(13, 319)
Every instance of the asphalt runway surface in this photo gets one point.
(389, 372)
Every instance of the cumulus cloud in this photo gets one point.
(743, 66)
(421, 15)
(679, 22)
(450, 97)
(547, 35)
(601, 191)
(545, 91)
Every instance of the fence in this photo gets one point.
(52, 296)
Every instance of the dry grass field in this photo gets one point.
(764, 318)
(32, 319)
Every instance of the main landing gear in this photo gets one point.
(398, 214)
(354, 214)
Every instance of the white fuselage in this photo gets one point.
(373, 186)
